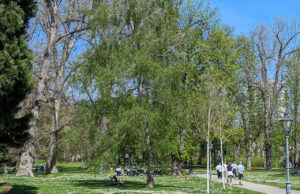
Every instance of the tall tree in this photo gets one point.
(60, 25)
(293, 86)
(272, 46)
(246, 96)
(15, 76)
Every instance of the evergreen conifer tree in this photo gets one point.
(15, 76)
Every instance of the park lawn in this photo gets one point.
(275, 177)
(73, 179)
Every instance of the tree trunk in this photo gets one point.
(26, 160)
(267, 132)
(268, 155)
(51, 158)
(248, 155)
(176, 165)
(207, 167)
(150, 178)
(27, 155)
(222, 160)
(217, 157)
(296, 155)
(236, 151)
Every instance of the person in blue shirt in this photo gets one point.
(241, 169)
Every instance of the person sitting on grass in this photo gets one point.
(114, 181)
(241, 172)
(128, 171)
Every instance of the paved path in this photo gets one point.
(252, 186)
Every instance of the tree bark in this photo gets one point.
(236, 151)
(176, 165)
(248, 154)
(27, 155)
(207, 167)
(150, 178)
(222, 160)
(51, 159)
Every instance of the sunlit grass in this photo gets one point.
(73, 179)
(273, 177)
(276, 177)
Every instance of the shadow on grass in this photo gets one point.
(133, 185)
(23, 189)
(64, 169)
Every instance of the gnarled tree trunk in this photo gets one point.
(176, 165)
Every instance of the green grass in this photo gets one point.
(73, 179)
(276, 177)
(273, 178)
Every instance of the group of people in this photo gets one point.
(119, 171)
(231, 170)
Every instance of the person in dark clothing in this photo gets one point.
(229, 174)
(234, 170)
(113, 180)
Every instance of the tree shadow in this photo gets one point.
(105, 184)
(64, 169)
(133, 185)
(23, 189)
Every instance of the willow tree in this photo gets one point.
(131, 47)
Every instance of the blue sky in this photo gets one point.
(245, 14)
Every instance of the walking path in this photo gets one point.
(252, 186)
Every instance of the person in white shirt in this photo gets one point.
(234, 168)
(119, 171)
(219, 170)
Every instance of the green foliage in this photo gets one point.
(15, 77)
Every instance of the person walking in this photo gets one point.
(219, 170)
(224, 169)
(229, 174)
(234, 168)
(101, 169)
(241, 169)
